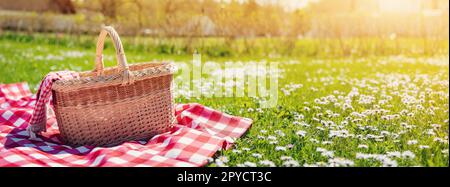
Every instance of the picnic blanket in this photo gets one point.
(198, 134)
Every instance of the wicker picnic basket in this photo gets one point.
(109, 106)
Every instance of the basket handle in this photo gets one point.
(120, 54)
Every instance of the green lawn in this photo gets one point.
(340, 111)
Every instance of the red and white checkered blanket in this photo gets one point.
(199, 133)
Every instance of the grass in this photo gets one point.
(332, 110)
(218, 47)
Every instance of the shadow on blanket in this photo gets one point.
(50, 144)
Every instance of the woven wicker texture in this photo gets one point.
(109, 106)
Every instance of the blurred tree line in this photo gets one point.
(234, 18)
(198, 17)
(245, 27)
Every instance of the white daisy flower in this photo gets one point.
(301, 133)
(249, 164)
(280, 148)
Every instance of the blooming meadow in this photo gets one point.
(338, 112)
(383, 111)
